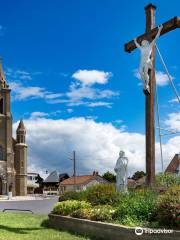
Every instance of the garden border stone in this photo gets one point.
(104, 231)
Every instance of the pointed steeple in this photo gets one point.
(3, 83)
(21, 125)
(21, 132)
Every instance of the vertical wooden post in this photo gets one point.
(150, 125)
(74, 169)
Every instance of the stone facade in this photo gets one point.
(13, 152)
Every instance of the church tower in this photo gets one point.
(13, 153)
(21, 160)
(7, 172)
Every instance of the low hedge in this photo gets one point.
(69, 206)
(139, 204)
(97, 213)
(168, 207)
(100, 194)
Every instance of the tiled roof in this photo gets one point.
(173, 165)
(78, 179)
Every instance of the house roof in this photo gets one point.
(80, 179)
(173, 165)
(55, 177)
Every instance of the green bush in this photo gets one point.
(102, 194)
(72, 195)
(69, 206)
(167, 179)
(168, 207)
(138, 204)
(97, 213)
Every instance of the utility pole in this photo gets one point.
(150, 33)
(74, 169)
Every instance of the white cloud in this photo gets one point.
(39, 114)
(174, 100)
(161, 78)
(90, 77)
(100, 104)
(21, 92)
(54, 95)
(69, 110)
(97, 145)
(173, 121)
(81, 92)
(18, 74)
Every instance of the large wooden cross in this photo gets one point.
(151, 31)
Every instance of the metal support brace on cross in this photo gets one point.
(150, 34)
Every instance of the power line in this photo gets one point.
(168, 74)
(159, 129)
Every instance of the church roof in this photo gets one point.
(54, 177)
(173, 165)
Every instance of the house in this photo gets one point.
(174, 165)
(136, 183)
(79, 183)
(31, 182)
(51, 183)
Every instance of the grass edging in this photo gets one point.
(104, 231)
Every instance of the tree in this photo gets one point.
(39, 180)
(109, 177)
(139, 174)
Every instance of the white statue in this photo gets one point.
(146, 61)
(121, 172)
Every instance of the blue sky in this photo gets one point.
(45, 44)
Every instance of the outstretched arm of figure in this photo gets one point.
(136, 43)
(157, 35)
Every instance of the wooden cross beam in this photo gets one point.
(151, 31)
(168, 26)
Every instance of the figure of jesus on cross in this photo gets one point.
(146, 61)
(147, 72)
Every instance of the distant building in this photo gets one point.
(51, 183)
(136, 183)
(31, 182)
(79, 183)
(174, 165)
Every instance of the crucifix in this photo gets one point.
(149, 36)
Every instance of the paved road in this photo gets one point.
(37, 206)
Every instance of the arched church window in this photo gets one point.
(1, 106)
(1, 153)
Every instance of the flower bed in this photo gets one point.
(141, 207)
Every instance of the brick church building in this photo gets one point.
(13, 152)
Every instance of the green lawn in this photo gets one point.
(14, 226)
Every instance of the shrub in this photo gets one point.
(102, 194)
(97, 213)
(168, 207)
(167, 179)
(67, 207)
(139, 204)
(72, 195)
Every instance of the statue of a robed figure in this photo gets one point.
(121, 172)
